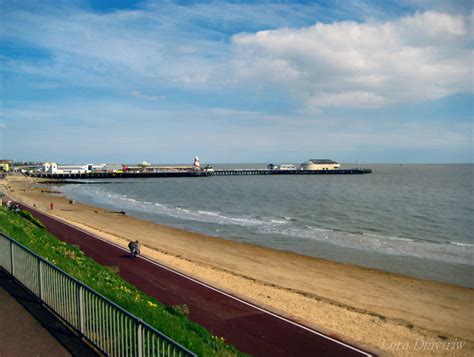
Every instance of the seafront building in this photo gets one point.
(54, 168)
(320, 164)
(282, 167)
(310, 165)
(6, 165)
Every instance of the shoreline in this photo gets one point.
(347, 232)
(382, 310)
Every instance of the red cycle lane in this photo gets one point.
(250, 328)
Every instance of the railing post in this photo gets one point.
(139, 339)
(11, 259)
(40, 279)
(80, 309)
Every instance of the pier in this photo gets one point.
(110, 175)
(191, 173)
(241, 172)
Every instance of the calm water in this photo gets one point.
(410, 219)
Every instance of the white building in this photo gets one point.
(283, 167)
(319, 164)
(286, 167)
(53, 168)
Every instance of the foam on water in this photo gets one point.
(160, 209)
(466, 245)
(451, 251)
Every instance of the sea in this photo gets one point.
(416, 220)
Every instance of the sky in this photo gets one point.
(236, 81)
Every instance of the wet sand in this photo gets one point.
(390, 313)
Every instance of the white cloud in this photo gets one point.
(3, 126)
(367, 64)
(139, 95)
(351, 98)
(422, 57)
(113, 50)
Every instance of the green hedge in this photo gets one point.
(26, 230)
(27, 215)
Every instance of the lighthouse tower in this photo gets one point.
(197, 164)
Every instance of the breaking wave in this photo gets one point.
(457, 252)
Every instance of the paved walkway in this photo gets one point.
(21, 334)
(28, 328)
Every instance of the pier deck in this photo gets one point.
(289, 172)
(227, 172)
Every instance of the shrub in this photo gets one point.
(27, 215)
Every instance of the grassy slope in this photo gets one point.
(76, 263)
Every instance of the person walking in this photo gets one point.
(137, 248)
(51, 205)
(132, 247)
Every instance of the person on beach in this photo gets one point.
(51, 205)
(137, 248)
(133, 249)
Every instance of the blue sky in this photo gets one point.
(236, 81)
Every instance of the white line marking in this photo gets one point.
(206, 285)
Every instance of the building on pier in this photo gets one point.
(54, 168)
(320, 164)
(282, 167)
(287, 167)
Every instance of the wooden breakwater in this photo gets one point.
(228, 172)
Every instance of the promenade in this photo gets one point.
(21, 334)
(27, 328)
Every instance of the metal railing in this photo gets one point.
(110, 328)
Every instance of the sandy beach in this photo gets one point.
(390, 314)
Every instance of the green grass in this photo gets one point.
(73, 261)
